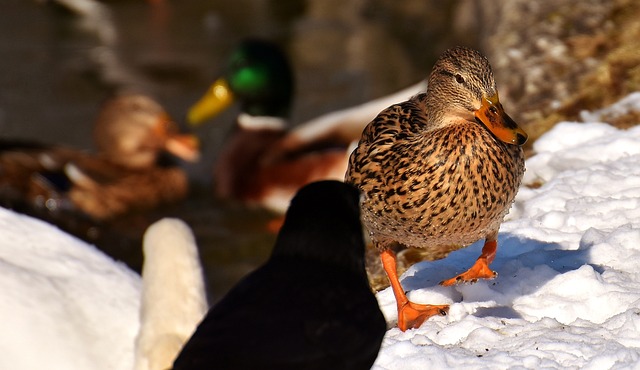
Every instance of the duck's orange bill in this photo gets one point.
(184, 146)
(493, 116)
(218, 98)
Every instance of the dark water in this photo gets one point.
(56, 67)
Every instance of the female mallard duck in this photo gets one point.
(130, 134)
(440, 171)
(264, 163)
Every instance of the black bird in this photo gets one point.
(308, 307)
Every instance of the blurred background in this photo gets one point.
(60, 59)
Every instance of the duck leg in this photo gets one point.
(410, 315)
(480, 269)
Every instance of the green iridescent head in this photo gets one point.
(258, 76)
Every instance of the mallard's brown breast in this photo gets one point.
(438, 188)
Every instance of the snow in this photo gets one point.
(567, 295)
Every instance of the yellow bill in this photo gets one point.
(218, 98)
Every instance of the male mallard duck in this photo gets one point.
(309, 306)
(131, 133)
(264, 163)
(440, 171)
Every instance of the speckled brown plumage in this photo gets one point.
(131, 132)
(440, 170)
(435, 189)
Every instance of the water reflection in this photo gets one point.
(58, 67)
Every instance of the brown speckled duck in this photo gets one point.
(131, 132)
(440, 172)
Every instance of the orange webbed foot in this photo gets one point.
(480, 270)
(412, 315)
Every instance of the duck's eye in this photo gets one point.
(459, 79)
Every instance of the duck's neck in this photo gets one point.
(428, 103)
(258, 123)
(440, 116)
(268, 104)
